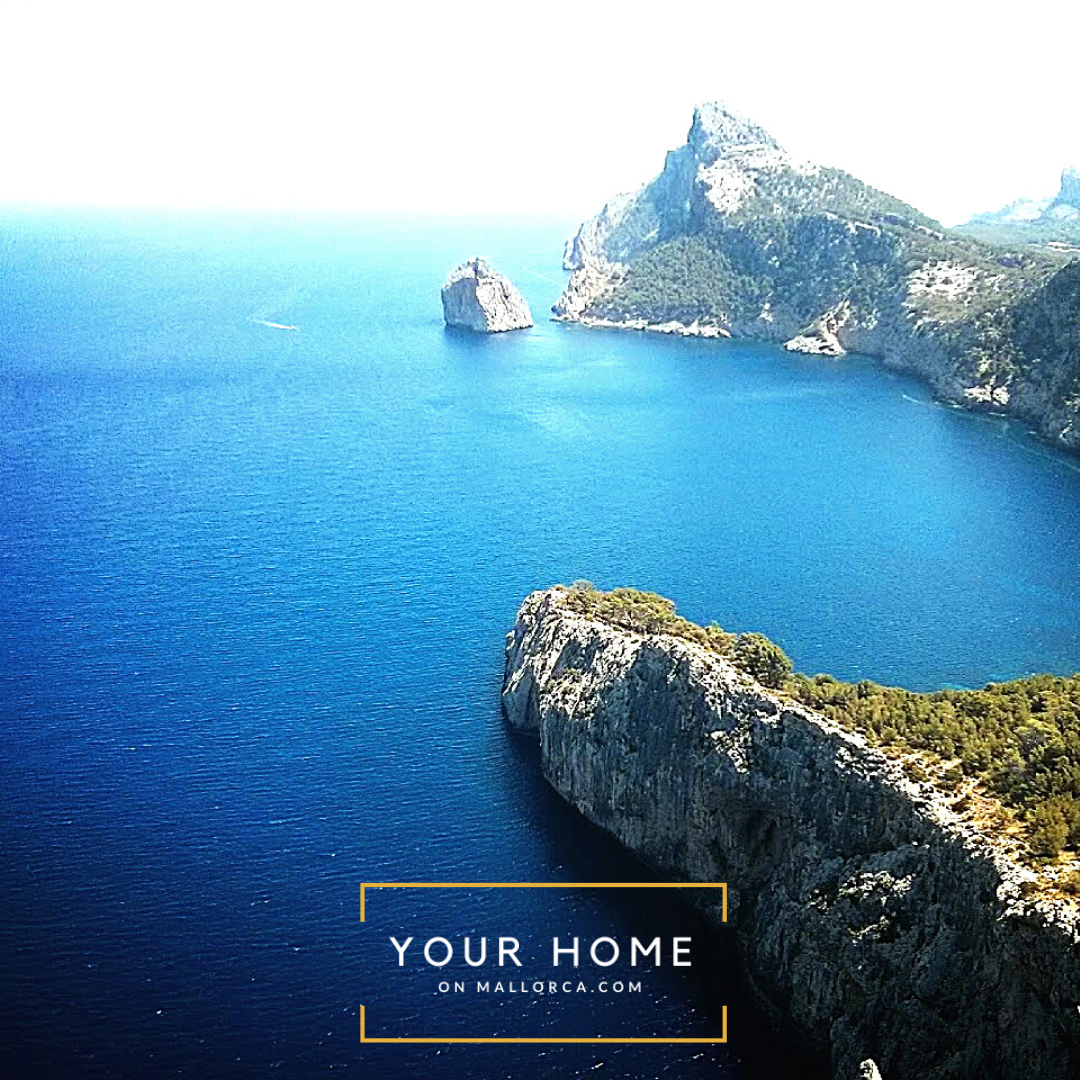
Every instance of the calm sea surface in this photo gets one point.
(255, 584)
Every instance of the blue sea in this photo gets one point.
(255, 584)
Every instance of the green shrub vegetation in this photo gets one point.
(1019, 740)
(1013, 234)
(649, 613)
(803, 244)
(684, 279)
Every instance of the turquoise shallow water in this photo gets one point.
(255, 584)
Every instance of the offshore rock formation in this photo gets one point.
(479, 298)
(735, 238)
(870, 916)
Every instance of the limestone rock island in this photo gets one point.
(479, 298)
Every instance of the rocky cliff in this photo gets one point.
(736, 238)
(872, 918)
(1068, 197)
(477, 297)
(1050, 224)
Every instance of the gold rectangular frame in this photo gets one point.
(365, 1038)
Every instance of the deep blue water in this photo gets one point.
(254, 589)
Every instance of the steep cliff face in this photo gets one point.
(871, 917)
(734, 237)
(1068, 197)
(478, 298)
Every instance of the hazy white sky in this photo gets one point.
(475, 106)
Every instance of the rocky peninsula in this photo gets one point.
(477, 297)
(736, 238)
(874, 916)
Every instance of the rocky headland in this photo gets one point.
(736, 238)
(875, 917)
(477, 297)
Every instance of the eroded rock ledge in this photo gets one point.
(870, 917)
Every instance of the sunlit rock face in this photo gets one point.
(873, 919)
(477, 297)
(1068, 198)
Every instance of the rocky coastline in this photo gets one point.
(873, 919)
(734, 238)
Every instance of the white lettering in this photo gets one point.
(483, 953)
(401, 950)
(678, 950)
(445, 960)
(570, 951)
(505, 950)
(636, 947)
(614, 952)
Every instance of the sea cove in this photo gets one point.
(265, 524)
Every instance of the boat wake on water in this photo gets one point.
(274, 325)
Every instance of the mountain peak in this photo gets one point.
(1070, 188)
(718, 128)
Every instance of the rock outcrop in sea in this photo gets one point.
(737, 238)
(873, 920)
(479, 298)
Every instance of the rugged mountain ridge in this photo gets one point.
(736, 238)
(871, 917)
(1048, 224)
(1063, 207)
